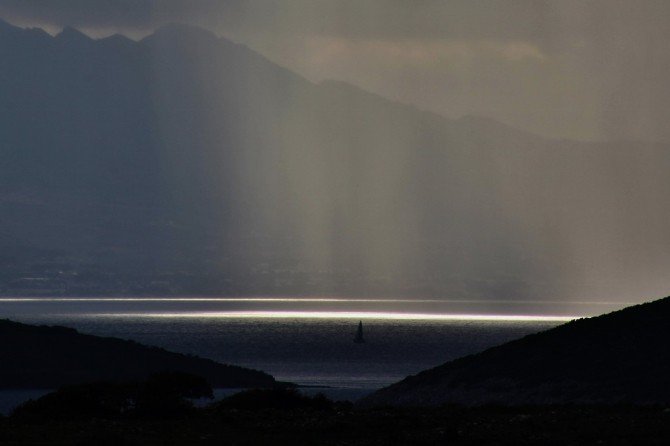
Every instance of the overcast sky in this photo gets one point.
(568, 68)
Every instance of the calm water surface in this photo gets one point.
(306, 342)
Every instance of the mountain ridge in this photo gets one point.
(182, 30)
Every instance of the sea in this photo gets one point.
(307, 341)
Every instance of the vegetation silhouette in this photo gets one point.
(274, 399)
(163, 395)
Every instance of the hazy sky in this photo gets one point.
(570, 68)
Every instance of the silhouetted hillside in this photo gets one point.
(51, 357)
(621, 357)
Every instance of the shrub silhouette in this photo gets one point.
(97, 400)
(163, 395)
(279, 398)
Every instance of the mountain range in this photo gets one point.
(184, 163)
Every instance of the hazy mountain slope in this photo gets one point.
(50, 357)
(617, 357)
(185, 163)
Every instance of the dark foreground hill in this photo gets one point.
(50, 357)
(621, 357)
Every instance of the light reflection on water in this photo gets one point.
(334, 315)
(322, 307)
(300, 300)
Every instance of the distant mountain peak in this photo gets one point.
(29, 34)
(7, 27)
(181, 31)
(478, 123)
(117, 40)
(71, 34)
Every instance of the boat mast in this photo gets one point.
(359, 333)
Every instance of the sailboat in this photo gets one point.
(359, 334)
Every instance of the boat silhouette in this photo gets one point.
(359, 334)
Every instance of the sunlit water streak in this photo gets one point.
(337, 315)
(307, 307)
(312, 300)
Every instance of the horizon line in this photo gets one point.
(304, 299)
(368, 315)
